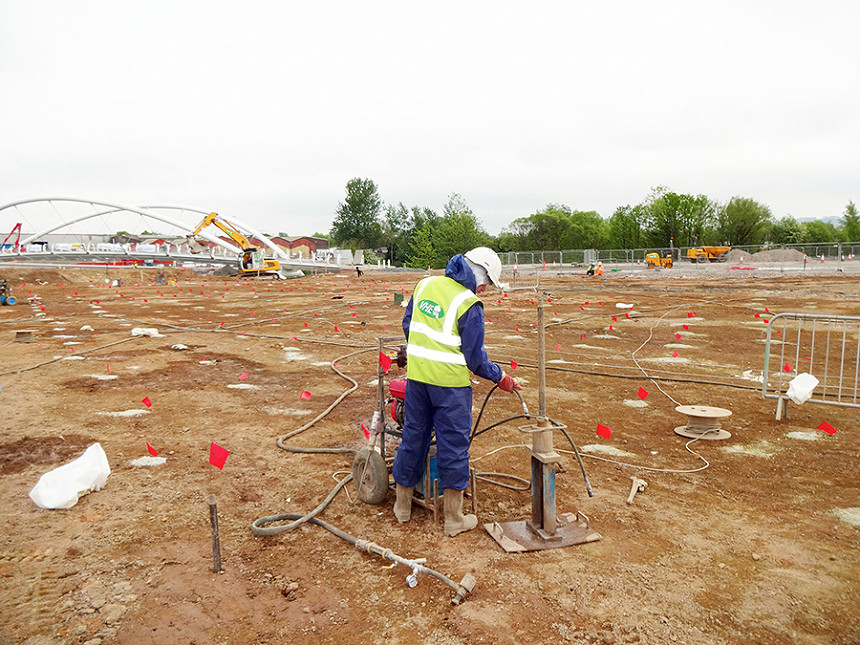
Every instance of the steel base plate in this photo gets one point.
(517, 537)
(708, 435)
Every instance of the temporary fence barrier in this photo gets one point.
(824, 345)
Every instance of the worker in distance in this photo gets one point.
(444, 328)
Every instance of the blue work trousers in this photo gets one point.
(448, 410)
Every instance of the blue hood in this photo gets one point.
(459, 271)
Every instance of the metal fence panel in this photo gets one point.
(824, 345)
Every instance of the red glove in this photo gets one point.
(508, 383)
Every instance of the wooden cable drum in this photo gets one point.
(703, 422)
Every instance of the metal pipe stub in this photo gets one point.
(703, 422)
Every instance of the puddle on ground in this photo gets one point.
(103, 377)
(243, 386)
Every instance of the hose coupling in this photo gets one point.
(466, 585)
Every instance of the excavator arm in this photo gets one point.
(232, 232)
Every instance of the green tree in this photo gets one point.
(742, 221)
(786, 230)
(396, 224)
(818, 231)
(585, 230)
(422, 254)
(851, 224)
(555, 228)
(625, 227)
(457, 231)
(356, 224)
(687, 219)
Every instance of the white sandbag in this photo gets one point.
(800, 388)
(61, 487)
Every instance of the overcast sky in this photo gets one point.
(264, 110)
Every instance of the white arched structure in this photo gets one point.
(148, 212)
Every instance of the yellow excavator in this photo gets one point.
(251, 262)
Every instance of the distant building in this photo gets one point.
(301, 245)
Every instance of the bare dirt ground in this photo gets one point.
(748, 550)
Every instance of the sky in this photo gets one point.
(265, 110)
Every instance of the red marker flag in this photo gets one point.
(218, 455)
(513, 365)
(826, 427)
(243, 376)
(152, 451)
(385, 361)
(758, 315)
(147, 402)
(365, 431)
(687, 327)
(604, 431)
(642, 393)
(674, 354)
(766, 310)
(787, 367)
(558, 346)
(294, 338)
(305, 395)
(335, 328)
(614, 319)
(678, 336)
(610, 328)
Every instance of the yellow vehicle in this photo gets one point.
(653, 260)
(708, 254)
(251, 262)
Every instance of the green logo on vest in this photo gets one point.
(430, 308)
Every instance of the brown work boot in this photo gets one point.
(403, 503)
(455, 521)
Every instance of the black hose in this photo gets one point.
(526, 415)
(258, 529)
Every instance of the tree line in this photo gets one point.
(420, 237)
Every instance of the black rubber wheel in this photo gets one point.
(370, 475)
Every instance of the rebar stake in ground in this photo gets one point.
(216, 539)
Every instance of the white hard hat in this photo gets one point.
(487, 258)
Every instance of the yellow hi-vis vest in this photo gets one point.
(433, 347)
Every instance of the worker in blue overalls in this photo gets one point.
(444, 327)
